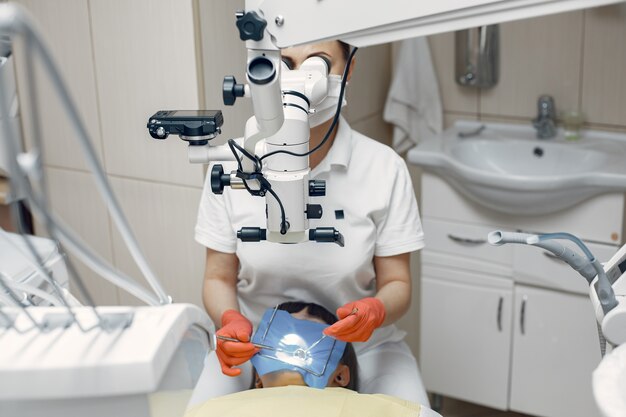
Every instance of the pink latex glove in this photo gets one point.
(231, 354)
(357, 320)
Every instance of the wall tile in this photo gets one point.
(223, 53)
(450, 118)
(604, 70)
(608, 128)
(163, 219)
(145, 61)
(370, 82)
(76, 201)
(538, 56)
(453, 96)
(61, 21)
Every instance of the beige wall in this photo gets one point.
(122, 63)
(579, 58)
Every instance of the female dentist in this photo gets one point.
(370, 199)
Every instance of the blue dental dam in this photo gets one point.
(296, 345)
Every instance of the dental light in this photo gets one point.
(607, 284)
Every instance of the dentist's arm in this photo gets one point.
(220, 300)
(358, 319)
(393, 285)
(219, 292)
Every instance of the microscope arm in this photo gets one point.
(298, 22)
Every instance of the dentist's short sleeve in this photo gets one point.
(213, 228)
(400, 230)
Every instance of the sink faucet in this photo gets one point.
(545, 122)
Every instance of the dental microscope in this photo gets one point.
(282, 104)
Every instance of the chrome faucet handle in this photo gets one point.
(546, 107)
(546, 127)
(545, 122)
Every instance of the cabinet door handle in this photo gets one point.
(500, 314)
(466, 241)
(522, 319)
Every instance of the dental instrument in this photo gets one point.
(607, 283)
(232, 339)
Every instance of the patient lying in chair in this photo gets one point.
(305, 373)
(302, 355)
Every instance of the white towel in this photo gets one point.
(413, 104)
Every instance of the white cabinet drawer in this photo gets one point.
(532, 265)
(467, 242)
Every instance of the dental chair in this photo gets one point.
(308, 402)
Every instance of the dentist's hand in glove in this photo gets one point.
(357, 320)
(231, 354)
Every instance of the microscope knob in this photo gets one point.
(251, 26)
(314, 211)
(231, 90)
(317, 188)
(219, 180)
(327, 234)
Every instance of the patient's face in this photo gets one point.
(340, 378)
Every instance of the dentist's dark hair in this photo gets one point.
(345, 48)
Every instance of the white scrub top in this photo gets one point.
(369, 199)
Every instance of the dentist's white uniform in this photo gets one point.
(370, 200)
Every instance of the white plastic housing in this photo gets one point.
(292, 188)
(311, 79)
(266, 102)
(203, 154)
(17, 262)
(614, 323)
(67, 372)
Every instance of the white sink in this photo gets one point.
(507, 169)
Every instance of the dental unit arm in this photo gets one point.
(607, 283)
(282, 101)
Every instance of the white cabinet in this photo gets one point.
(509, 327)
(555, 350)
(467, 327)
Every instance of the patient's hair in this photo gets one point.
(316, 310)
